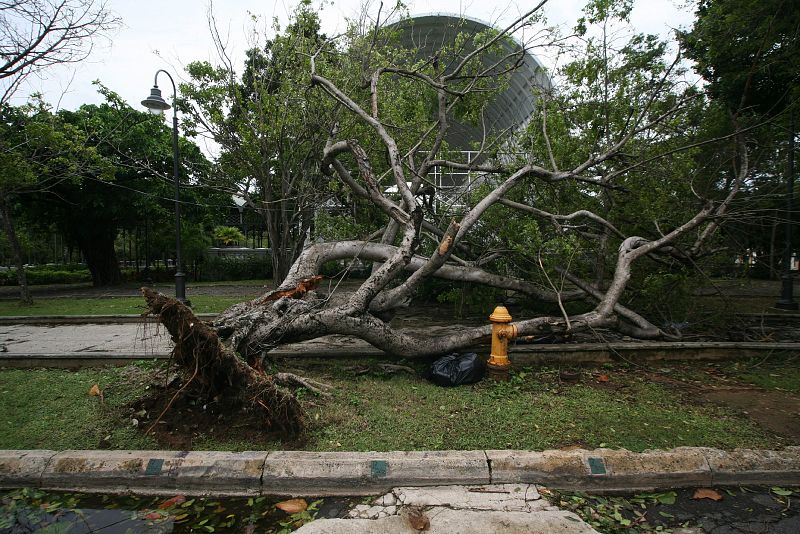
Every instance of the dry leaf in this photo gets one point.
(707, 493)
(153, 516)
(177, 499)
(292, 506)
(94, 391)
(603, 378)
(418, 519)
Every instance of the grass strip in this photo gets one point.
(107, 306)
(372, 410)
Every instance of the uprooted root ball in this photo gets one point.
(216, 371)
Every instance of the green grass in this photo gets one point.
(533, 411)
(107, 306)
(771, 375)
(51, 409)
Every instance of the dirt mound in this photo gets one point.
(192, 421)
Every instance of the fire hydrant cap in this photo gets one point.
(500, 315)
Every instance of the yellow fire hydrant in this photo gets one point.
(499, 364)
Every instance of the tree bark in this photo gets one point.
(11, 234)
(97, 247)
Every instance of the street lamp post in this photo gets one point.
(156, 105)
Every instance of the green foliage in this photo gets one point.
(621, 515)
(253, 267)
(100, 169)
(298, 519)
(466, 299)
(56, 274)
(228, 235)
(331, 226)
(271, 129)
(748, 52)
(39, 150)
(665, 296)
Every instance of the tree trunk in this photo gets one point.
(98, 251)
(773, 268)
(285, 241)
(11, 234)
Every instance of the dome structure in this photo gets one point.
(509, 110)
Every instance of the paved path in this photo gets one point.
(134, 339)
(456, 509)
(78, 345)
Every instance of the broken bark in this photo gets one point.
(217, 372)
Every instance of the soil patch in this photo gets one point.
(192, 419)
(774, 410)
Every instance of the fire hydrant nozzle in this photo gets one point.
(502, 331)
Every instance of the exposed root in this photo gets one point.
(293, 380)
(220, 372)
(177, 394)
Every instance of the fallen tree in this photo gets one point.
(580, 156)
(400, 268)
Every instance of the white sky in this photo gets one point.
(170, 33)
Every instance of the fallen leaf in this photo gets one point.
(152, 516)
(603, 378)
(169, 503)
(292, 506)
(707, 493)
(418, 519)
(94, 391)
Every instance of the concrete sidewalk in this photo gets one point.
(142, 339)
(86, 344)
(499, 508)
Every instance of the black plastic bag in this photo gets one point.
(456, 369)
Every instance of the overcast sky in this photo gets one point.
(170, 33)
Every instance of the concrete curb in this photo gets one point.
(301, 473)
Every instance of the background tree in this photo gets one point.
(90, 212)
(271, 128)
(35, 35)
(749, 54)
(39, 154)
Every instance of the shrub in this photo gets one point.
(217, 268)
(48, 274)
(228, 235)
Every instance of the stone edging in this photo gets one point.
(301, 473)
